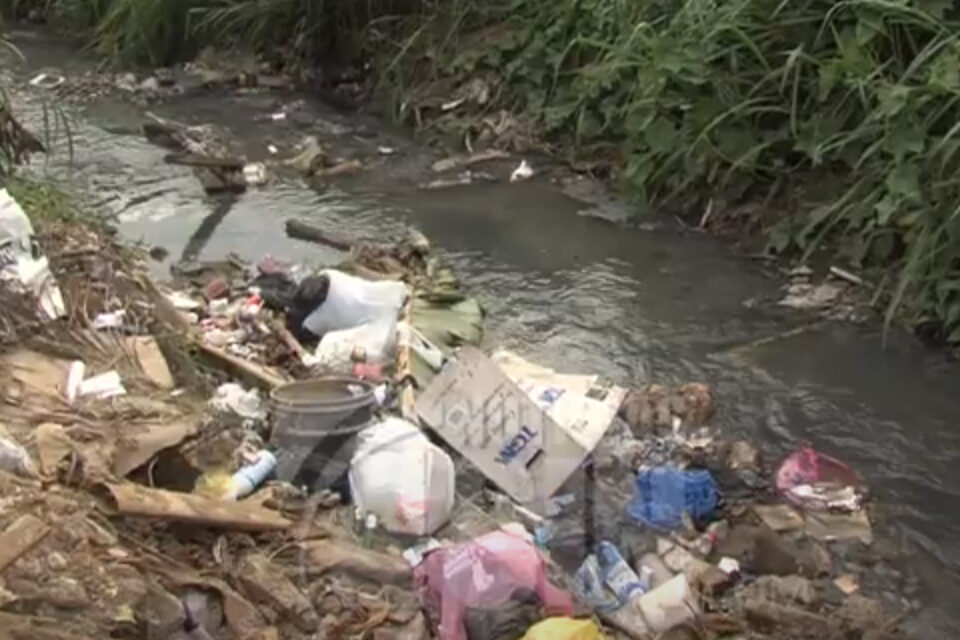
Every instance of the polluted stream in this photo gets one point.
(662, 303)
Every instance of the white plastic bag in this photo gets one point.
(21, 263)
(353, 301)
(399, 475)
(13, 457)
(374, 342)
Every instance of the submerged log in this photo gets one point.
(300, 230)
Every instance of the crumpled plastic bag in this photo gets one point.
(402, 477)
(484, 573)
(817, 482)
(564, 629)
(22, 265)
(349, 302)
(506, 621)
(232, 397)
(664, 494)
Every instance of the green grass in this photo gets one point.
(43, 202)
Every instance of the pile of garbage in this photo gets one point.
(266, 453)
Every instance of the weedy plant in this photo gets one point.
(842, 117)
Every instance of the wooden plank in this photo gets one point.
(20, 537)
(134, 500)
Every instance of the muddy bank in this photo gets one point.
(659, 304)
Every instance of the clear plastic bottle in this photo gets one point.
(617, 574)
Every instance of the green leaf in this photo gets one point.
(885, 208)
(936, 8)
(830, 74)
(903, 139)
(904, 181)
(882, 247)
(893, 98)
(660, 134)
(779, 239)
(954, 336)
(953, 314)
(869, 25)
(944, 71)
(734, 142)
(910, 219)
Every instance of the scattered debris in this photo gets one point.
(461, 162)
(241, 517)
(310, 159)
(523, 172)
(843, 274)
(245, 403)
(105, 385)
(255, 174)
(816, 481)
(830, 527)
(802, 295)
(109, 320)
(341, 168)
(47, 80)
(779, 517)
(655, 408)
(847, 584)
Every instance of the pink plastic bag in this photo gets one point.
(484, 573)
(815, 481)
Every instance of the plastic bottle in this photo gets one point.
(617, 574)
(369, 529)
(248, 478)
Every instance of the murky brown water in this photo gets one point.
(579, 294)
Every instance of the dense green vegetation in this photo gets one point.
(816, 121)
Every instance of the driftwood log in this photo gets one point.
(198, 147)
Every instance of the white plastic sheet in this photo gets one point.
(353, 301)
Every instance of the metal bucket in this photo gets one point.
(315, 425)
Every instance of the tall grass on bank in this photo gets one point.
(843, 117)
(159, 32)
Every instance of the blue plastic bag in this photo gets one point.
(665, 493)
